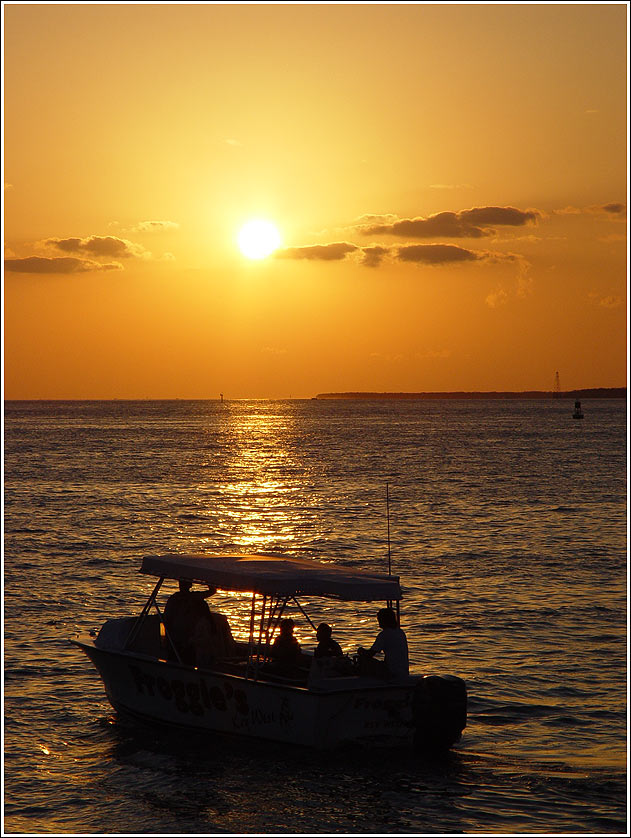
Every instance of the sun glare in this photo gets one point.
(257, 239)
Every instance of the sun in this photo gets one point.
(258, 238)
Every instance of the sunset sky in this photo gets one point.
(449, 183)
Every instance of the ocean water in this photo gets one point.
(508, 526)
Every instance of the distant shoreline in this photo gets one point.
(588, 393)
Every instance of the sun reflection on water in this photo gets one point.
(254, 506)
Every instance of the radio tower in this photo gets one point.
(557, 385)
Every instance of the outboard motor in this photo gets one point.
(440, 712)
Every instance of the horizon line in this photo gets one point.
(332, 395)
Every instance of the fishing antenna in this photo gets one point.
(388, 518)
(389, 602)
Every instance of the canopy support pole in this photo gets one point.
(259, 648)
(304, 613)
(251, 638)
(141, 618)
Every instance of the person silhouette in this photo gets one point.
(286, 648)
(197, 634)
(392, 641)
(327, 647)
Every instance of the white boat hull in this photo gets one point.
(347, 709)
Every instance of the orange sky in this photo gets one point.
(463, 169)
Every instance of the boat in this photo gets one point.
(578, 412)
(319, 703)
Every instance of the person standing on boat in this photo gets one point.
(392, 641)
(199, 634)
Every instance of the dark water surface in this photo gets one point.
(508, 526)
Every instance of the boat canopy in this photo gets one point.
(275, 575)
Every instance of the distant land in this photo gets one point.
(590, 393)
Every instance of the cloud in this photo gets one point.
(613, 237)
(442, 224)
(325, 252)
(445, 254)
(57, 265)
(610, 302)
(497, 298)
(497, 216)
(569, 211)
(531, 239)
(373, 255)
(373, 218)
(614, 208)
(100, 246)
(496, 257)
(154, 227)
(436, 254)
(524, 286)
(472, 223)
(451, 186)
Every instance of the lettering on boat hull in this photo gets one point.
(191, 696)
(198, 697)
(215, 701)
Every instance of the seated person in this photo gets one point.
(222, 643)
(392, 641)
(327, 647)
(285, 649)
(329, 661)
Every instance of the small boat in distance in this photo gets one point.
(578, 412)
(318, 703)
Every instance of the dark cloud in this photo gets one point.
(326, 252)
(110, 246)
(373, 255)
(442, 224)
(473, 223)
(57, 265)
(437, 254)
(499, 258)
(498, 216)
(615, 209)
